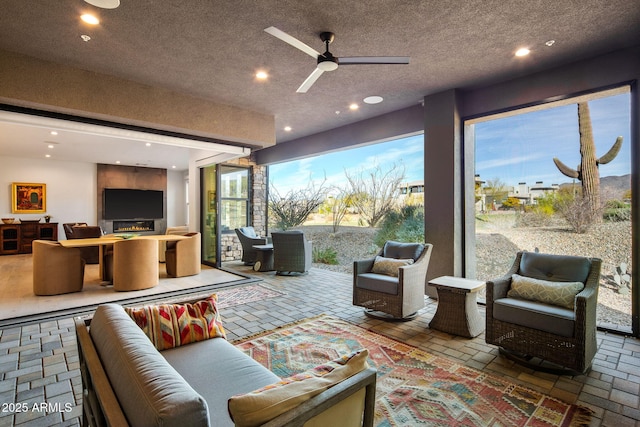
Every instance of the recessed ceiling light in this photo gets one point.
(117, 162)
(85, 37)
(148, 144)
(47, 155)
(262, 75)
(173, 167)
(90, 19)
(50, 146)
(523, 52)
(53, 132)
(104, 4)
(550, 42)
(373, 99)
(354, 106)
(287, 128)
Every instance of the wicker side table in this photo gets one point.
(457, 311)
(264, 258)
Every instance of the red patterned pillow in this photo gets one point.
(173, 325)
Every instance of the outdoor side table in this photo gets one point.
(457, 311)
(264, 258)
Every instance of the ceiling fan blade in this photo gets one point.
(293, 41)
(355, 60)
(306, 85)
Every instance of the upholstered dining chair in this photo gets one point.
(545, 307)
(56, 270)
(183, 256)
(248, 238)
(292, 252)
(391, 285)
(135, 264)
(80, 230)
(162, 244)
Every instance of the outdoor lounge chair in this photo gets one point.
(291, 252)
(535, 311)
(393, 282)
(249, 238)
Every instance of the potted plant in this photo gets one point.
(47, 218)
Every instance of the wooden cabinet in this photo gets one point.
(18, 238)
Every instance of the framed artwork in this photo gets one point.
(28, 198)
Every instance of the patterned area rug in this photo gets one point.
(413, 387)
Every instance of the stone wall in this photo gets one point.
(230, 247)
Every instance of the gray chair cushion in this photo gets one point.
(535, 315)
(402, 250)
(557, 268)
(149, 390)
(224, 372)
(378, 282)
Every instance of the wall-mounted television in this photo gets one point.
(126, 203)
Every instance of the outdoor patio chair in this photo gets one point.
(249, 238)
(545, 308)
(391, 285)
(291, 252)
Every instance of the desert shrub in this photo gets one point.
(325, 256)
(405, 224)
(577, 212)
(511, 203)
(617, 214)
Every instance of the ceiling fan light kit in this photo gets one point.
(326, 61)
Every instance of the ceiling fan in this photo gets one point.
(328, 62)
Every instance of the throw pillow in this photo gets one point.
(173, 325)
(557, 293)
(389, 266)
(259, 406)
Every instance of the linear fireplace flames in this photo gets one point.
(128, 226)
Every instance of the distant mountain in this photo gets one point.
(611, 187)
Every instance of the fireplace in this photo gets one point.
(133, 226)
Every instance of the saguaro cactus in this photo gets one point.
(587, 171)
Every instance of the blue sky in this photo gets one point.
(514, 149)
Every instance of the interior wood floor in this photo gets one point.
(19, 302)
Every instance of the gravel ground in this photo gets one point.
(496, 244)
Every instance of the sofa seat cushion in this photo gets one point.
(535, 315)
(224, 371)
(173, 325)
(149, 390)
(266, 403)
(562, 294)
(378, 282)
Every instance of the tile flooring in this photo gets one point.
(40, 383)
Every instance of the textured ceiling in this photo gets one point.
(211, 49)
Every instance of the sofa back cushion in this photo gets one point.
(149, 390)
(556, 268)
(400, 250)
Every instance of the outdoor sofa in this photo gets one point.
(127, 381)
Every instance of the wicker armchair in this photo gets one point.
(291, 252)
(528, 328)
(248, 238)
(392, 297)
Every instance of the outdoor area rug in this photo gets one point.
(413, 387)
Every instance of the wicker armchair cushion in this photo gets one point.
(536, 315)
(249, 232)
(378, 282)
(558, 268)
(400, 250)
(562, 294)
